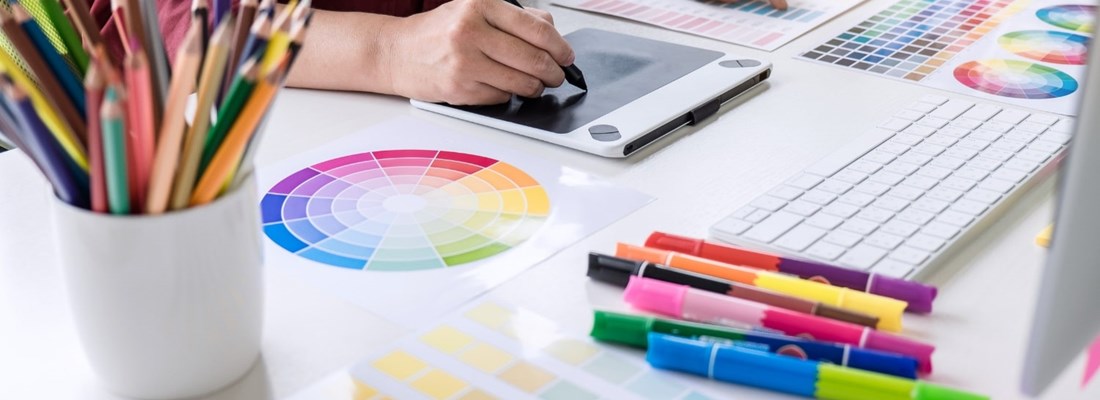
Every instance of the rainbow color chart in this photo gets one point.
(1016, 79)
(751, 23)
(404, 210)
(1075, 17)
(1047, 46)
(494, 351)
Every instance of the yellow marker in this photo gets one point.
(1043, 239)
(49, 116)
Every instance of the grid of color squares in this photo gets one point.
(913, 38)
(1047, 46)
(404, 210)
(1016, 79)
(753, 23)
(1075, 17)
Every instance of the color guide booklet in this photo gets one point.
(750, 23)
(491, 350)
(411, 220)
(1029, 53)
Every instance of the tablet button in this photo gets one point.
(730, 64)
(605, 133)
(749, 63)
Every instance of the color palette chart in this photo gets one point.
(1027, 53)
(751, 23)
(494, 351)
(404, 210)
(410, 220)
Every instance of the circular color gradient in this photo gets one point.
(1075, 17)
(1016, 79)
(1048, 46)
(404, 210)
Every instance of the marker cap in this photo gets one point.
(631, 330)
(700, 248)
(928, 391)
(614, 270)
(919, 296)
(656, 296)
(897, 344)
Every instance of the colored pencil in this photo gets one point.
(47, 113)
(239, 92)
(174, 124)
(200, 12)
(68, 35)
(158, 56)
(219, 10)
(48, 83)
(229, 154)
(209, 84)
(41, 145)
(258, 36)
(74, 88)
(279, 43)
(118, 15)
(93, 85)
(135, 26)
(139, 114)
(114, 152)
(9, 128)
(246, 14)
(82, 18)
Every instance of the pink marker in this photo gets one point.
(682, 301)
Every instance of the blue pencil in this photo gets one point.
(65, 74)
(46, 151)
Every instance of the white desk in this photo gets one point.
(804, 112)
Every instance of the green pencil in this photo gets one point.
(239, 92)
(68, 34)
(114, 153)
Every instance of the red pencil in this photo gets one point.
(140, 122)
(93, 86)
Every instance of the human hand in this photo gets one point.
(778, 4)
(470, 52)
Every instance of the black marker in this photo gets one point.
(573, 74)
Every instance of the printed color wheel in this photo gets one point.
(404, 210)
(1075, 17)
(1048, 46)
(1017, 79)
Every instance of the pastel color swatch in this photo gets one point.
(1015, 79)
(1047, 46)
(404, 210)
(1075, 17)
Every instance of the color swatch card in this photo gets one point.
(1027, 53)
(410, 220)
(493, 351)
(751, 23)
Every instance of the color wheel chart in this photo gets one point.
(1074, 17)
(1017, 79)
(1047, 46)
(404, 210)
(751, 23)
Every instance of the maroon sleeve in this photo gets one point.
(174, 18)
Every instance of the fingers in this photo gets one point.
(521, 56)
(542, 14)
(477, 93)
(778, 4)
(520, 23)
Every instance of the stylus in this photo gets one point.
(573, 74)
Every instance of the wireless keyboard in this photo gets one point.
(899, 197)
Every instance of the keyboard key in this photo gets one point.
(910, 115)
(907, 139)
(986, 135)
(1009, 145)
(873, 188)
(825, 221)
(947, 161)
(921, 182)
(1044, 119)
(969, 207)
(958, 183)
(934, 172)
(1023, 136)
(944, 193)
(819, 197)
(930, 149)
(880, 157)
(1032, 127)
(835, 187)
(732, 226)
(909, 255)
(942, 140)
(865, 167)
(982, 196)
(922, 131)
(925, 242)
(933, 99)
(800, 238)
(984, 164)
(900, 228)
(982, 112)
(973, 144)
(787, 193)
(891, 203)
(959, 131)
(850, 176)
(842, 238)
(875, 214)
(955, 218)
(922, 108)
(768, 203)
(1033, 155)
(971, 173)
(859, 226)
(940, 230)
(1022, 165)
(995, 126)
(757, 216)
(1011, 117)
(803, 208)
(999, 155)
(857, 199)
(928, 204)
(1009, 175)
(884, 240)
(933, 122)
(1056, 137)
(906, 192)
(916, 158)
(887, 178)
(903, 168)
(841, 210)
(1063, 126)
(1045, 147)
(952, 109)
(825, 251)
(893, 148)
(805, 181)
(743, 212)
(915, 216)
(996, 185)
(862, 256)
(967, 124)
(891, 268)
(895, 124)
(772, 227)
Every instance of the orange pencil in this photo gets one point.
(140, 125)
(229, 154)
(173, 124)
(93, 87)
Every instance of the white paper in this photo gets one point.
(580, 205)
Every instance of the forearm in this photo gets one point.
(347, 51)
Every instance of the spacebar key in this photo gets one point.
(769, 229)
(840, 158)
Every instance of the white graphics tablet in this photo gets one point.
(640, 90)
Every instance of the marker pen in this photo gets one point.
(887, 310)
(633, 330)
(617, 271)
(680, 301)
(919, 296)
(787, 374)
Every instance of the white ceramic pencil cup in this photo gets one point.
(167, 306)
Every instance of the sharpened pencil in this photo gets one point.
(41, 145)
(93, 85)
(174, 124)
(139, 119)
(115, 152)
(239, 92)
(68, 79)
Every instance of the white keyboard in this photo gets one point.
(898, 197)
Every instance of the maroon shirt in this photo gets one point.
(175, 16)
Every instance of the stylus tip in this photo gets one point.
(574, 76)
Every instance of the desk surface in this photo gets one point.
(698, 176)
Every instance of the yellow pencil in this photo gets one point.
(173, 124)
(49, 115)
(209, 84)
(280, 41)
